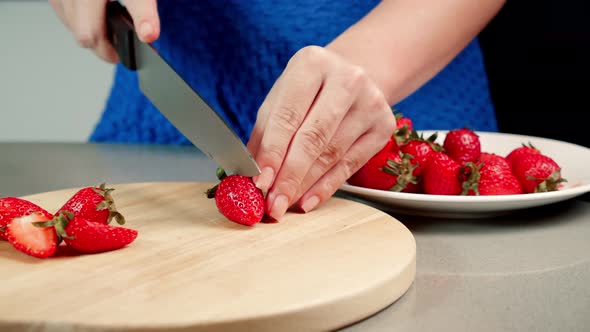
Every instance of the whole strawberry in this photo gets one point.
(462, 145)
(420, 149)
(442, 175)
(238, 198)
(13, 207)
(491, 177)
(22, 233)
(537, 173)
(386, 170)
(94, 204)
(522, 151)
(90, 237)
(496, 159)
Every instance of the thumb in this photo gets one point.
(145, 18)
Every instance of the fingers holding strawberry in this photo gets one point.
(14, 207)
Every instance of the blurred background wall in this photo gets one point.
(50, 89)
(537, 56)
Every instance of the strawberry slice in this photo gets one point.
(91, 237)
(30, 239)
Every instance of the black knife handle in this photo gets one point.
(121, 33)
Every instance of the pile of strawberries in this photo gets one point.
(82, 223)
(414, 164)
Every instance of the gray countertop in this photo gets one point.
(528, 271)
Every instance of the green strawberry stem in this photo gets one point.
(549, 184)
(404, 172)
(109, 204)
(220, 172)
(60, 223)
(472, 171)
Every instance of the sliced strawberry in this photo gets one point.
(90, 237)
(30, 239)
(14, 207)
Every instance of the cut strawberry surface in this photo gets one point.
(30, 239)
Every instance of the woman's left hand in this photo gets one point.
(322, 120)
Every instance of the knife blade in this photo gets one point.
(176, 99)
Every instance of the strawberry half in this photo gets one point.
(89, 237)
(238, 198)
(93, 203)
(13, 207)
(38, 242)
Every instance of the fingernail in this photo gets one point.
(145, 30)
(310, 203)
(279, 206)
(265, 178)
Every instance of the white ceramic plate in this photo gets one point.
(574, 160)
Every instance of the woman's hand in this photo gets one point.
(87, 22)
(322, 120)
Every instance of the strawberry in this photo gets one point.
(386, 170)
(491, 177)
(496, 159)
(93, 203)
(420, 148)
(537, 172)
(462, 145)
(520, 151)
(34, 241)
(442, 175)
(403, 127)
(402, 169)
(391, 145)
(238, 198)
(90, 237)
(13, 207)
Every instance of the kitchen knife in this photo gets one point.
(175, 99)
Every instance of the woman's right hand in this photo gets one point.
(87, 22)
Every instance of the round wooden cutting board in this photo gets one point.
(191, 269)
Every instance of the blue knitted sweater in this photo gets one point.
(232, 51)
